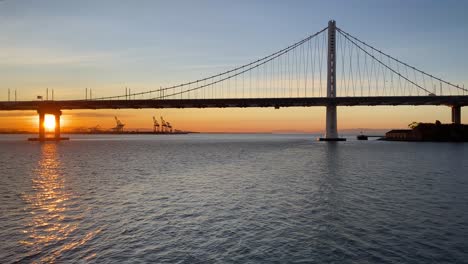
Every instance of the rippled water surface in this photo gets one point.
(232, 199)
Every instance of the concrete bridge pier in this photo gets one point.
(456, 114)
(57, 125)
(331, 122)
(42, 130)
(41, 126)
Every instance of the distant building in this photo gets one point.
(431, 132)
(398, 134)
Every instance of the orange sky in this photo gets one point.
(296, 119)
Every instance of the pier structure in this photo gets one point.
(456, 114)
(42, 112)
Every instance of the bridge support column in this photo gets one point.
(57, 125)
(456, 114)
(42, 132)
(331, 123)
(41, 126)
(331, 126)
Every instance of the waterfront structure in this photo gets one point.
(430, 132)
(398, 134)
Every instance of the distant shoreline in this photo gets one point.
(185, 132)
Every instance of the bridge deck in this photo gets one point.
(240, 102)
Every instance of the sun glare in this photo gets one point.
(49, 122)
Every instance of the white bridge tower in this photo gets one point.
(331, 123)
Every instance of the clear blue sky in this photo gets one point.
(107, 45)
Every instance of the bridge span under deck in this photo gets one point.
(55, 107)
(236, 102)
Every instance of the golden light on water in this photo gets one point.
(51, 230)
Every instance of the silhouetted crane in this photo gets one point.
(155, 125)
(169, 127)
(163, 125)
(119, 125)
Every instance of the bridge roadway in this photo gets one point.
(457, 101)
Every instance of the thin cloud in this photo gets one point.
(36, 56)
(94, 115)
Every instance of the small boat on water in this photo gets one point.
(362, 137)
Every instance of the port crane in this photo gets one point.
(119, 125)
(169, 127)
(155, 125)
(163, 125)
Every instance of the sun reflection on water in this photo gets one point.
(51, 230)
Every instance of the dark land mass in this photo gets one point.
(437, 132)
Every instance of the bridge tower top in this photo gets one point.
(331, 69)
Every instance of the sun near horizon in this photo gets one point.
(49, 122)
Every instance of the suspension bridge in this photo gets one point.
(329, 68)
